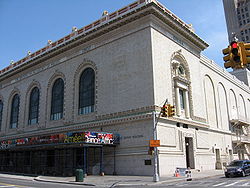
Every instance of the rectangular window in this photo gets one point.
(182, 104)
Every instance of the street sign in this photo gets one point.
(154, 143)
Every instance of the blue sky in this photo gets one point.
(27, 25)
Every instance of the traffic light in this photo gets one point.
(228, 57)
(164, 111)
(171, 110)
(245, 50)
(236, 52)
(234, 55)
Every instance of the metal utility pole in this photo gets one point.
(156, 173)
(156, 156)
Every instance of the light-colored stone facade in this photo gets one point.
(141, 58)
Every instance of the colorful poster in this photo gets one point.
(64, 138)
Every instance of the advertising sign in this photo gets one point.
(63, 138)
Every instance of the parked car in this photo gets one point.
(238, 168)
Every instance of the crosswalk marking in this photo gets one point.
(227, 183)
(245, 184)
(219, 184)
(231, 184)
(9, 185)
(6, 185)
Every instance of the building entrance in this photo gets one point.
(59, 154)
(189, 152)
(218, 164)
(57, 162)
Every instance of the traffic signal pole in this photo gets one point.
(156, 155)
(167, 110)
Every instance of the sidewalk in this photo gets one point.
(112, 181)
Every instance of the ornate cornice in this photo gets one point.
(104, 25)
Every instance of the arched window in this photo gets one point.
(34, 106)
(57, 100)
(87, 91)
(1, 113)
(181, 81)
(14, 111)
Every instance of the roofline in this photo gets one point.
(98, 24)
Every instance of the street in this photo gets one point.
(214, 182)
(219, 181)
(13, 183)
(206, 182)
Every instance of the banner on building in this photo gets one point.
(63, 138)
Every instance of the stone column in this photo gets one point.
(177, 98)
(186, 100)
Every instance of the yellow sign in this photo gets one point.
(154, 143)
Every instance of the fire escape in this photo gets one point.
(241, 138)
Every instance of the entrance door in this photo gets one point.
(189, 152)
(218, 164)
(94, 160)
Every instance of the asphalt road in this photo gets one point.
(14, 183)
(208, 182)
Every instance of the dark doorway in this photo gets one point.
(94, 160)
(189, 152)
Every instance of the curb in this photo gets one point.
(65, 182)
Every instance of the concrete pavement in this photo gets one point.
(112, 181)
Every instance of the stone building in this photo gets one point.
(237, 19)
(88, 100)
